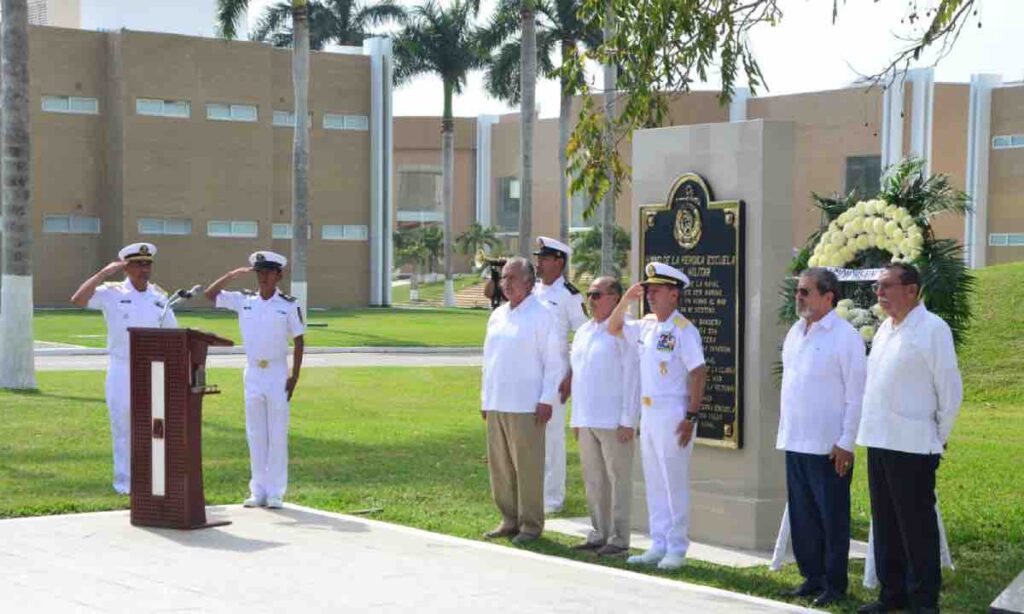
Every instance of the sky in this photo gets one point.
(806, 52)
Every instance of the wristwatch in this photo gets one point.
(692, 417)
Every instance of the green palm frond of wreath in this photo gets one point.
(947, 282)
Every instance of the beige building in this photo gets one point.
(186, 142)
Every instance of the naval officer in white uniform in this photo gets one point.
(269, 320)
(565, 302)
(134, 302)
(672, 376)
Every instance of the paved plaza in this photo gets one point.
(303, 560)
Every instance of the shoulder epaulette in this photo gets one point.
(650, 316)
(287, 297)
(249, 292)
(680, 322)
(571, 288)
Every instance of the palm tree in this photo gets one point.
(444, 42)
(17, 360)
(228, 13)
(558, 25)
(477, 238)
(587, 246)
(410, 249)
(339, 22)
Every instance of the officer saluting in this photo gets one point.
(134, 302)
(268, 319)
(672, 375)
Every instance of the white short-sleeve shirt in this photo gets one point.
(267, 325)
(125, 307)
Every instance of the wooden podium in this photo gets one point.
(168, 382)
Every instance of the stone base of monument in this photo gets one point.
(1011, 600)
(719, 555)
(688, 182)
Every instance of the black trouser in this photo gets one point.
(819, 519)
(906, 529)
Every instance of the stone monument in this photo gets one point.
(716, 201)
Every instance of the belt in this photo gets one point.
(648, 401)
(266, 363)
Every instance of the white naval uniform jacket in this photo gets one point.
(669, 350)
(267, 325)
(125, 307)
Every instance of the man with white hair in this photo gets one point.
(269, 320)
(132, 303)
(522, 368)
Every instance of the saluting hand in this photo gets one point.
(635, 292)
(113, 268)
(240, 271)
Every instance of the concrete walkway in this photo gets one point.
(302, 560)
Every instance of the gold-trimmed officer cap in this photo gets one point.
(657, 273)
(267, 261)
(137, 252)
(546, 246)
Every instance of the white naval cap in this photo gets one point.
(547, 246)
(137, 252)
(658, 273)
(267, 260)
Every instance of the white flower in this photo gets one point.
(870, 207)
(859, 208)
(916, 240)
(844, 217)
(867, 333)
(872, 240)
(856, 224)
(845, 254)
(863, 242)
(893, 229)
(843, 312)
(879, 225)
(833, 226)
(877, 311)
(812, 261)
(846, 303)
(838, 239)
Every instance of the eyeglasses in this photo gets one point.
(875, 287)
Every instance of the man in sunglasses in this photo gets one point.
(823, 370)
(911, 400)
(605, 409)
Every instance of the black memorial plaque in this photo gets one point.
(704, 239)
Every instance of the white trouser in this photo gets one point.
(266, 428)
(119, 402)
(666, 474)
(554, 458)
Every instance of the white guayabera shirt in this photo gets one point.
(823, 375)
(913, 391)
(522, 359)
(605, 379)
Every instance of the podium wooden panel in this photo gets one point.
(168, 382)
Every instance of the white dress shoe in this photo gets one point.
(651, 557)
(275, 503)
(254, 501)
(671, 561)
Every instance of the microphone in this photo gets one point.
(186, 294)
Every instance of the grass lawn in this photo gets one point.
(349, 327)
(433, 292)
(410, 442)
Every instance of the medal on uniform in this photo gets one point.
(663, 366)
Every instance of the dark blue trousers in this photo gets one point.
(819, 519)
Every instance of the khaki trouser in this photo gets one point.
(515, 460)
(608, 479)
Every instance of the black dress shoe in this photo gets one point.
(804, 590)
(828, 598)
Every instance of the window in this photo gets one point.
(71, 104)
(507, 218)
(347, 232)
(419, 195)
(71, 224)
(864, 174)
(284, 231)
(287, 119)
(1008, 141)
(238, 229)
(577, 205)
(1003, 239)
(334, 121)
(160, 226)
(231, 112)
(163, 108)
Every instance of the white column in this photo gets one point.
(922, 99)
(979, 138)
(381, 147)
(738, 105)
(483, 168)
(892, 123)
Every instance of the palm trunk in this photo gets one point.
(564, 111)
(608, 206)
(17, 360)
(414, 283)
(447, 171)
(300, 151)
(528, 86)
